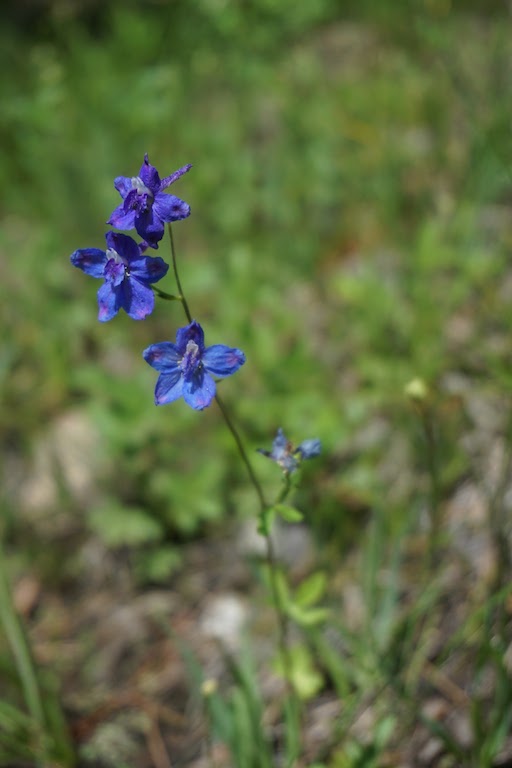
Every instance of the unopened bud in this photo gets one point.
(209, 687)
(416, 390)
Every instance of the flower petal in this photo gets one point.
(115, 272)
(192, 332)
(310, 448)
(121, 219)
(168, 180)
(280, 444)
(92, 261)
(222, 361)
(169, 387)
(149, 227)
(149, 176)
(108, 302)
(138, 301)
(163, 356)
(123, 184)
(149, 269)
(170, 207)
(124, 245)
(199, 390)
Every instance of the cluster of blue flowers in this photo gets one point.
(287, 456)
(187, 368)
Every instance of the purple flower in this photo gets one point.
(186, 368)
(145, 206)
(288, 457)
(127, 273)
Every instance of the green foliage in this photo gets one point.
(237, 719)
(124, 526)
(386, 224)
(304, 675)
(354, 755)
(351, 232)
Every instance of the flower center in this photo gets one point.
(118, 259)
(191, 360)
(141, 188)
(112, 254)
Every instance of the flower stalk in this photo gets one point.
(20, 649)
(187, 367)
(270, 555)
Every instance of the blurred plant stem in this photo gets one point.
(293, 705)
(420, 398)
(428, 425)
(20, 649)
(54, 747)
(497, 517)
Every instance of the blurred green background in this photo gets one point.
(350, 231)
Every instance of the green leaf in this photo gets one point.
(157, 565)
(287, 513)
(305, 677)
(307, 617)
(120, 526)
(311, 590)
(265, 522)
(280, 584)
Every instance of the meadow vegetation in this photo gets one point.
(351, 195)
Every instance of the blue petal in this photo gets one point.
(149, 227)
(149, 269)
(92, 261)
(192, 332)
(115, 272)
(121, 219)
(168, 180)
(310, 448)
(149, 176)
(280, 445)
(123, 184)
(108, 302)
(124, 245)
(170, 208)
(138, 301)
(164, 357)
(199, 391)
(169, 387)
(288, 463)
(222, 361)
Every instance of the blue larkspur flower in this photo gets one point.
(288, 457)
(145, 206)
(186, 368)
(127, 273)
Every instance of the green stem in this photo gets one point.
(222, 407)
(20, 648)
(435, 489)
(282, 619)
(243, 453)
(176, 275)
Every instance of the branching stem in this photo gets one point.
(281, 616)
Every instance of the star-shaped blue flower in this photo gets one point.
(145, 206)
(186, 368)
(288, 457)
(127, 273)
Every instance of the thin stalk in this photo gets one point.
(20, 649)
(282, 619)
(222, 407)
(176, 275)
(243, 453)
(435, 486)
